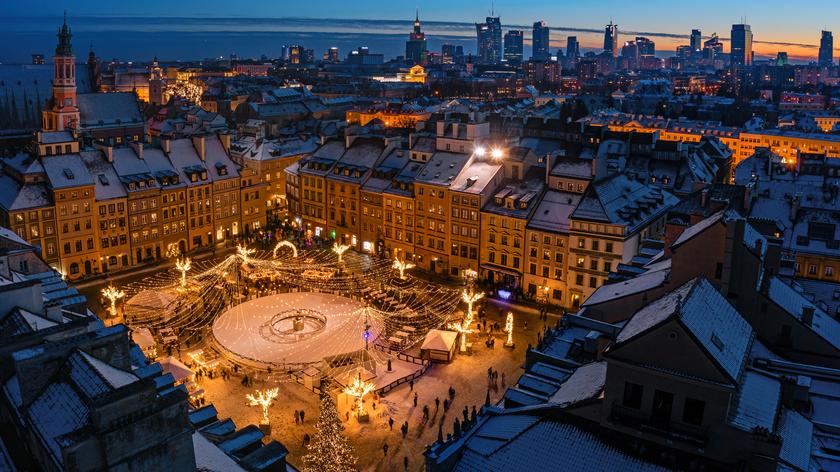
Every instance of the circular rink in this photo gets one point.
(293, 330)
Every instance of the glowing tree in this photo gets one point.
(402, 266)
(470, 298)
(263, 398)
(111, 293)
(509, 329)
(286, 244)
(340, 249)
(462, 328)
(470, 276)
(244, 252)
(329, 450)
(359, 388)
(183, 266)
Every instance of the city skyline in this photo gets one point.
(442, 23)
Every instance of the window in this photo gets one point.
(609, 247)
(693, 411)
(632, 395)
(718, 270)
(580, 261)
(593, 282)
(662, 403)
(579, 279)
(595, 245)
(581, 243)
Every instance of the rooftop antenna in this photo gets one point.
(492, 8)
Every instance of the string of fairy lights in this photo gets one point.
(187, 300)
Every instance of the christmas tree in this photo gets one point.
(329, 450)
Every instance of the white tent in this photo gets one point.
(143, 338)
(179, 371)
(439, 345)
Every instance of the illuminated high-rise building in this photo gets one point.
(540, 40)
(826, 54)
(415, 47)
(513, 46)
(611, 39)
(572, 48)
(741, 39)
(489, 36)
(696, 40)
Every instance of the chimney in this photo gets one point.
(138, 148)
(225, 138)
(704, 197)
(547, 167)
(794, 206)
(748, 196)
(166, 144)
(198, 142)
(106, 149)
(808, 315)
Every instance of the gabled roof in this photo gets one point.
(717, 327)
(793, 303)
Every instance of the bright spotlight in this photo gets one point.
(496, 153)
(479, 151)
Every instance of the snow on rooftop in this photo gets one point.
(641, 283)
(210, 458)
(586, 382)
(757, 402)
(653, 313)
(57, 412)
(794, 303)
(698, 228)
(797, 433)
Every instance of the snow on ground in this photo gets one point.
(466, 374)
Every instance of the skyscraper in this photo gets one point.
(513, 46)
(540, 38)
(572, 48)
(489, 35)
(415, 47)
(826, 55)
(696, 40)
(611, 39)
(741, 51)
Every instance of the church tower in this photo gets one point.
(62, 111)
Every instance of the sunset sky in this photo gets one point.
(777, 25)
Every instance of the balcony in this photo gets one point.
(672, 430)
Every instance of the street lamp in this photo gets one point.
(496, 153)
(480, 151)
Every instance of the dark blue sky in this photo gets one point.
(777, 24)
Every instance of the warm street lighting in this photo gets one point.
(464, 329)
(183, 267)
(496, 154)
(470, 276)
(470, 298)
(359, 388)
(288, 244)
(402, 266)
(263, 398)
(480, 151)
(340, 249)
(113, 294)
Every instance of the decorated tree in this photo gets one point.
(329, 450)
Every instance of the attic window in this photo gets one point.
(717, 342)
(103, 179)
(69, 174)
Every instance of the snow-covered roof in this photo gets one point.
(552, 213)
(208, 457)
(108, 109)
(108, 185)
(720, 330)
(698, 228)
(526, 442)
(793, 303)
(641, 283)
(95, 377)
(67, 170)
(58, 411)
(586, 382)
(175, 367)
(797, 433)
(757, 402)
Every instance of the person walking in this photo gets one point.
(301, 416)
(385, 450)
(411, 385)
(391, 423)
(297, 417)
(405, 463)
(415, 398)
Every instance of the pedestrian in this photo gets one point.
(301, 416)
(374, 406)
(404, 429)
(466, 414)
(425, 412)
(437, 403)
(474, 415)
(503, 380)
(411, 385)
(347, 415)
(390, 422)
(526, 325)
(385, 449)
(445, 404)
(297, 417)
(415, 398)
(405, 463)
(306, 439)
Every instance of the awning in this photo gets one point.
(503, 270)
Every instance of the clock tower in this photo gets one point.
(62, 111)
